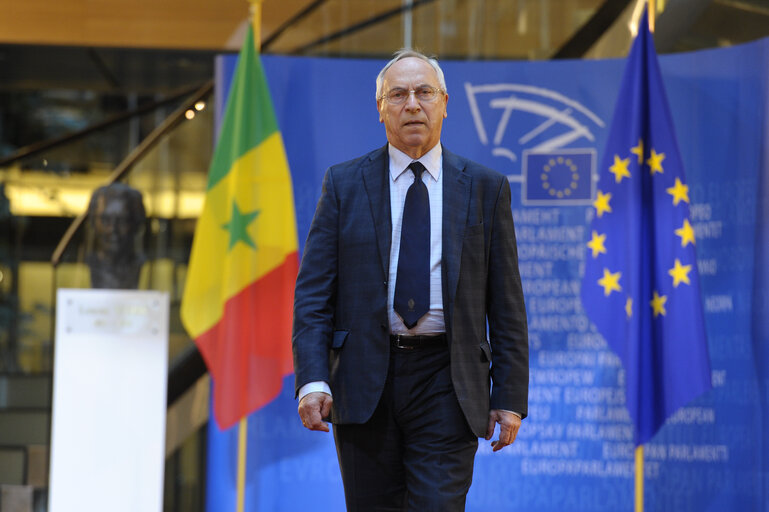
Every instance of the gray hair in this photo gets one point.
(405, 53)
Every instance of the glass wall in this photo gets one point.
(76, 103)
(44, 195)
(484, 29)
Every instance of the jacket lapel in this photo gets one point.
(456, 201)
(375, 170)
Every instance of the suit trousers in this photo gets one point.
(416, 452)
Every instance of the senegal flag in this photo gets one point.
(238, 297)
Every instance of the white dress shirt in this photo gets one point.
(401, 178)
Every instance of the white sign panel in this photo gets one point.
(109, 401)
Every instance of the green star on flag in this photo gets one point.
(237, 226)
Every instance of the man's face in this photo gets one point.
(414, 127)
(114, 227)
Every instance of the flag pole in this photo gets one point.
(639, 478)
(256, 23)
(639, 451)
(242, 449)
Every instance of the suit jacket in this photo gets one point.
(341, 326)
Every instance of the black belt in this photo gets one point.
(406, 342)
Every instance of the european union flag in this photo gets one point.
(641, 287)
(563, 176)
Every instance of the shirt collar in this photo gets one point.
(399, 161)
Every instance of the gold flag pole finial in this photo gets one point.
(652, 14)
(256, 22)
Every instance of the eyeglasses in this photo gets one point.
(398, 95)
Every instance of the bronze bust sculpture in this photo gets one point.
(116, 218)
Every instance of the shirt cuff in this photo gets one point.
(314, 387)
(506, 410)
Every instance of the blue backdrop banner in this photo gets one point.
(547, 123)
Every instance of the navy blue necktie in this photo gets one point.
(412, 284)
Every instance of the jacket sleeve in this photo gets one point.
(315, 292)
(506, 313)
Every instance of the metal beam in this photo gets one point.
(357, 27)
(603, 18)
(289, 23)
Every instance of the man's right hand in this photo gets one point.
(313, 407)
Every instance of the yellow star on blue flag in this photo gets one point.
(641, 231)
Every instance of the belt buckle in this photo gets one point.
(398, 338)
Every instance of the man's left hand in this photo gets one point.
(509, 424)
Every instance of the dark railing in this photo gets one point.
(176, 117)
(39, 147)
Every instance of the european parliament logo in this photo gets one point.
(541, 138)
(560, 177)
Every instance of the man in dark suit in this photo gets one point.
(406, 269)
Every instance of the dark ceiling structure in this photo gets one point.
(455, 29)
